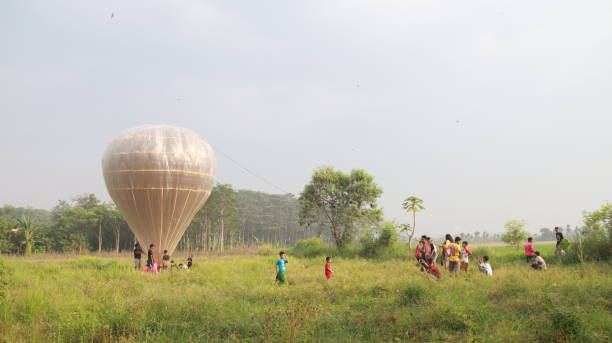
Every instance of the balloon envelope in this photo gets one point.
(159, 177)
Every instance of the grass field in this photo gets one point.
(234, 298)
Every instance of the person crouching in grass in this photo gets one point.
(281, 268)
(465, 256)
(539, 263)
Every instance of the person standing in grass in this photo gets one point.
(328, 268)
(529, 253)
(539, 263)
(190, 261)
(137, 256)
(150, 257)
(454, 256)
(465, 256)
(484, 266)
(559, 237)
(281, 268)
(433, 250)
(446, 250)
(165, 260)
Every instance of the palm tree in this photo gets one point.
(414, 205)
(28, 224)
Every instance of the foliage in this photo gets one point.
(414, 205)
(594, 240)
(312, 247)
(515, 234)
(5, 275)
(342, 202)
(383, 246)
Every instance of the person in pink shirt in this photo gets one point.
(529, 252)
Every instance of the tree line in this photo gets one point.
(84, 223)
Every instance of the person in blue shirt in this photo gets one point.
(281, 268)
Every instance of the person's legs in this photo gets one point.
(281, 278)
(464, 266)
(453, 266)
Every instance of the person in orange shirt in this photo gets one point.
(328, 268)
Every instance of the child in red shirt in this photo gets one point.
(328, 268)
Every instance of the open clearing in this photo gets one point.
(234, 298)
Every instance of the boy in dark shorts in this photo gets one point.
(137, 256)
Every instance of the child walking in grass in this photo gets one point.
(465, 256)
(281, 268)
(328, 268)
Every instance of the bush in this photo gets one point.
(311, 247)
(414, 294)
(385, 246)
(5, 274)
(266, 250)
(565, 326)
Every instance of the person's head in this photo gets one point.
(281, 254)
(151, 246)
(165, 251)
(180, 264)
(449, 237)
(530, 239)
(171, 261)
(428, 239)
(485, 258)
(457, 239)
(465, 243)
(328, 259)
(136, 245)
(556, 229)
(537, 253)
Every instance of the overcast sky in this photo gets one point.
(487, 110)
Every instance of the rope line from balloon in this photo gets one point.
(191, 153)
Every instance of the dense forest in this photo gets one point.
(84, 223)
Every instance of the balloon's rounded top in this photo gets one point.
(159, 177)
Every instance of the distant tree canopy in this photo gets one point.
(341, 202)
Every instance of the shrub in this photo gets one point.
(384, 246)
(565, 326)
(266, 250)
(5, 274)
(311, 247)
(414, 294)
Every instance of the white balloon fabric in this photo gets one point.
(159, 177)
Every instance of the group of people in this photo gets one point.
(153, 266)
(455, 256)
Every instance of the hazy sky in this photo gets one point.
(488, 110)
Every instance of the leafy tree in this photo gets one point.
(28, 226)
(342, 202)
(546, 234)
(414, 205)
(515, 234)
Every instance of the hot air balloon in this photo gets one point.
(159, 177)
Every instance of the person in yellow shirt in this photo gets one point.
(454, 257)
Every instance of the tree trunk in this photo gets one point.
(99, 237)
(222, 229)
(117, 232)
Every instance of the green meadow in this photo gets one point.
(234, 299)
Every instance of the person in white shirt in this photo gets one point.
(539, 263)
(484, 266)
